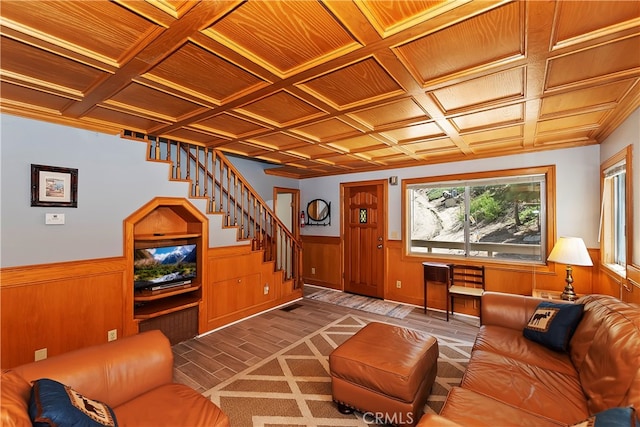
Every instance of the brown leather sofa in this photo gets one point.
(133, 375)
(511, 380)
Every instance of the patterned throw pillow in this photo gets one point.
(553, 324)
(613, 417)
(55, 404)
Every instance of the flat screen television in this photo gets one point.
(164, 266)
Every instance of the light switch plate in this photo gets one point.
(54, 218)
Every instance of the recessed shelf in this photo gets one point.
(165, 236)
(147, 295)
(164, 306)
(168, 221)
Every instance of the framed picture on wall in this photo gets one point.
(54, 186)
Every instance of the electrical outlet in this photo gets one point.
(266, 289)
(112, 335)
(40, 354)
(313, 270)
(398, 284)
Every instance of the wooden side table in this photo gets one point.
(435, 272)
(548, 294)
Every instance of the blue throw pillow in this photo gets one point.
(552, 324)
(56, 405)
(614, 417)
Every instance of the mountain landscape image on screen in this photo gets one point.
(166, 264)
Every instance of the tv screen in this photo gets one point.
(163, 266)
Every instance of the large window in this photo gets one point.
(614, 213)
(500, 215)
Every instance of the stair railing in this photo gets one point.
(212, 176)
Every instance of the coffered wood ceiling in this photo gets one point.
(329, 87)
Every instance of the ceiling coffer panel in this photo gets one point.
(283, 36)
(413, 133)
(393, 114)
(605, 96)
(100, 30)
(230, 126)
(281, 109)
(208, 76)
(389, 17)
(30, 66)
(326, 130)
(494, 135)
(279, 141)
(601, 62)
(493, 88)
(329, 86)
(490, 118)
(143, 99)
(195, 137)
(462, 47)
(354, 85)
(577, 21)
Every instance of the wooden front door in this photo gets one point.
(364, 227)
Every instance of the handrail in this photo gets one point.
(214, 177)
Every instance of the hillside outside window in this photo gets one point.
(498, 215)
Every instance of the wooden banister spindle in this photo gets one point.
(242, 210)
(213, 181)
(196, 189)
(188, 153)
(206, 172)
(235, 199)
(221, 189)
(228, 196)
(178, 149)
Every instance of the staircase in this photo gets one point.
(212, 177)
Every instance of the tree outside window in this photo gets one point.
(501, 215)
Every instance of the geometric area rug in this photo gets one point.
(293, 387)
(359, 302)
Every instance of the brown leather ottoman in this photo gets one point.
(386, 372)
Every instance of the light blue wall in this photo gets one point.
(577, 185)
(253, 172)
(114, 180)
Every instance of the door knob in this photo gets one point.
(380, 246)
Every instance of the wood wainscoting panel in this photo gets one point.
(631, 290)
(410, 273)
(499, 277)
(237, 277)
(61, 307)
(322, 261)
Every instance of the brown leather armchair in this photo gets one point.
(133, 375)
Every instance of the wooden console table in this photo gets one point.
(434, 272)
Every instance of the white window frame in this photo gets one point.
(616, 211)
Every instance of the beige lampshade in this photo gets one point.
(570, 251)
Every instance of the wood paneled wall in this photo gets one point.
(612, 285)
(61, 307)
(236, 288)
(322, 261)
(522, 279)
(65, 306)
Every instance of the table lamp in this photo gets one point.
(570, 251)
